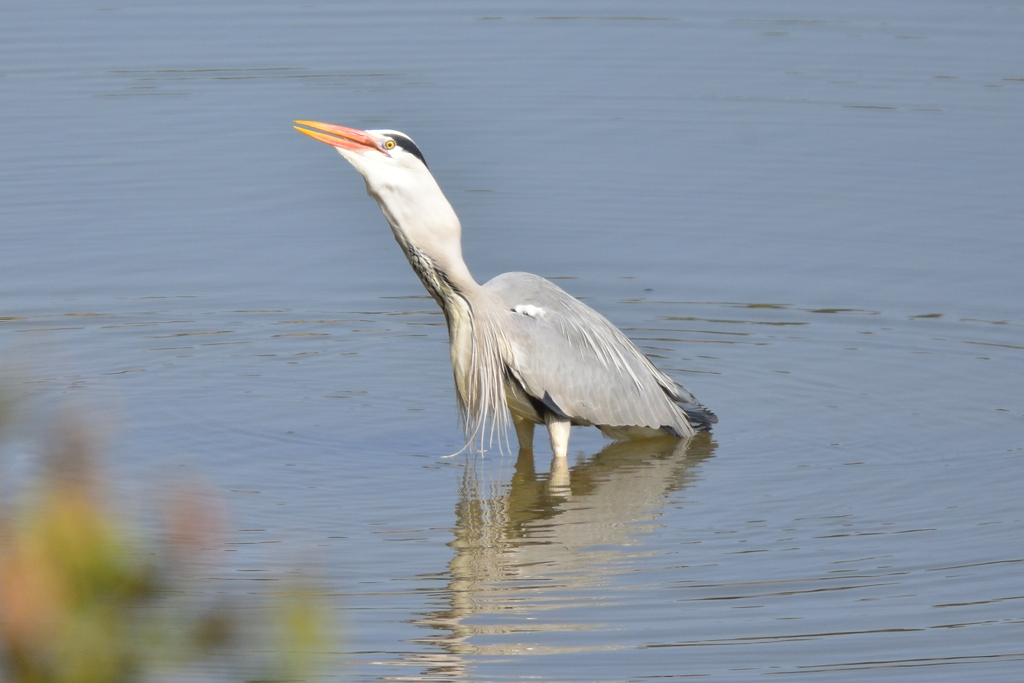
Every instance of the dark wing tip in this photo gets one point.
(700, 418)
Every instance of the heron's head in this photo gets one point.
(383, 157)
(397, 177)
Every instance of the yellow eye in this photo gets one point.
(389, 144)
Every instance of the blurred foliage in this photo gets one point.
(83, 600)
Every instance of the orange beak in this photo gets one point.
(340, 136)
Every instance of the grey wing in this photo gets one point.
(581, 366)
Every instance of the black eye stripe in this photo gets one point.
(409, 146)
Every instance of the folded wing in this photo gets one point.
(582, 367)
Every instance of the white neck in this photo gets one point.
(424, 223)
(429, 232)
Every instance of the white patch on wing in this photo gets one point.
(530, 310)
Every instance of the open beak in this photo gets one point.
(340, 136)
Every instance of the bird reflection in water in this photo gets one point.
(538, 543)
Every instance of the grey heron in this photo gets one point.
(521, 347)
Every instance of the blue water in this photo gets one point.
(809, 214)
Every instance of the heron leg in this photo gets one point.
(558, 432)
(524, 432)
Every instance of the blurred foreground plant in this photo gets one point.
(83, 601)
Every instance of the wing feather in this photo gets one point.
(572, 358)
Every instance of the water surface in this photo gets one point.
(809, 215)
